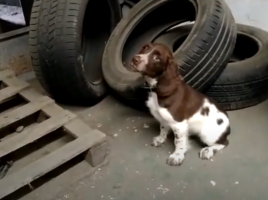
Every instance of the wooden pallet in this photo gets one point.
(86, 139)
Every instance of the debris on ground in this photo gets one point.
(145, 126)
(19, 129)
(213, 183)
(115, 135)
(164, 190)
(117, 186)
(4, 167)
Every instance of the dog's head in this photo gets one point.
(152, 60)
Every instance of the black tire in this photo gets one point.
(202, 57)
(67, 40)
(244, 82)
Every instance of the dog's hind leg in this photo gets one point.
(213, 147)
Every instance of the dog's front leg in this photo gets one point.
(180, 139)
(162, 137)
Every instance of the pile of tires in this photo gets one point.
(218, 57)
(244, 80)
(73, 53)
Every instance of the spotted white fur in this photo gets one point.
(206, 127)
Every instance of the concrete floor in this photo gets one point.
(238, 173)
(138, 171)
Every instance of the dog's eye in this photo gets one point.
(156, 58)
(145, 47)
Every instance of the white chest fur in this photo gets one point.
(161, 114)
(152, 104)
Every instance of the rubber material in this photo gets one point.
(67, 39)
(244, 81)
(202, 57)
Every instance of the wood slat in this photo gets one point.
(42, 166)
(34, 133)
(6, 73)
(77, 128)
(52, 110)
(24, 111)
(14, 87)
(31, 94)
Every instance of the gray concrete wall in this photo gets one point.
(250, 12)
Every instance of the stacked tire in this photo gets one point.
(216, 56)
(244, 80)
(67, 39)
(77, 44)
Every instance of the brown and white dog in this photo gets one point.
(179, 107)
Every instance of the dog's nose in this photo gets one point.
(136, 60)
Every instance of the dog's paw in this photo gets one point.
(157, 141)
(206, 153)
(175, 159)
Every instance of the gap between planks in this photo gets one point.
(14, 86)
(85, 136)
(24, 111)
(34, 133)
(46, 164)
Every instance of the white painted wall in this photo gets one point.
(250, 12)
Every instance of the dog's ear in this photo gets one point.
(172, 68)
(164, 85)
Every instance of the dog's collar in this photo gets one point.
(152, 89)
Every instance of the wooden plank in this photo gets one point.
(6, 73)
(24, 111)
(14, 81)
(99, 151)
(44, 165)
(16, 32)
(77, 128)
(31, 94)
(97, 154)
(52, 110)
(34, 133)
(14, 87)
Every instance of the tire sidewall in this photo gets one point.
(100, 88)
(252, 68)
(127, 82)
